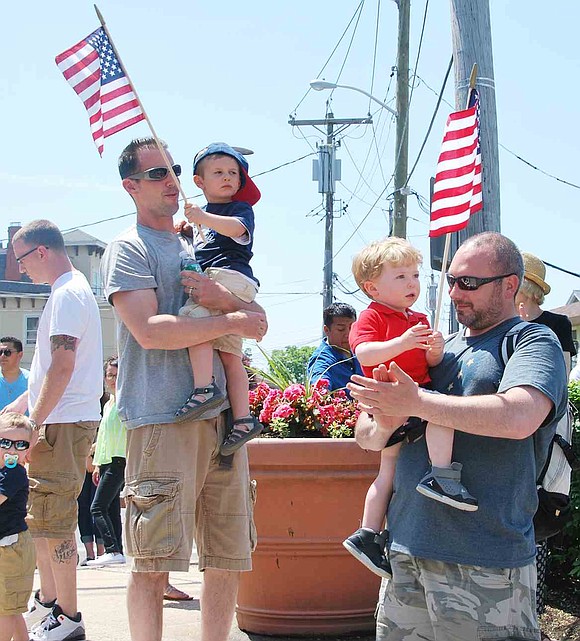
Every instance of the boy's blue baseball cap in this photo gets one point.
(248, 192)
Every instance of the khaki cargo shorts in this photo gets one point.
(238, 285)
(174, 487)
(427, 600)
(17, 564)
(56, 474)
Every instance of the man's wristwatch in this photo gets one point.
(33, 425)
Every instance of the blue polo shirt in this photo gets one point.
(327, 362)
(11, 391)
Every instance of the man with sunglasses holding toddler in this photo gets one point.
(460, 575)
(174, 483)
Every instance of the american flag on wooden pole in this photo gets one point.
(457, 189)
(97, 76)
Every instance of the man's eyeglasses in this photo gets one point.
(156, 173)
(21, 258)
(7, 352)
(19, 446)
(471, 283)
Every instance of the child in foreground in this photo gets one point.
(388, 330)
(221, 173)
(17, 555)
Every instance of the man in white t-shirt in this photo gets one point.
(65, 386)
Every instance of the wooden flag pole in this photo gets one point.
(158, 142)
(472, 79)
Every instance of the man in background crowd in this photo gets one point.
(13, 379)
(332, 360)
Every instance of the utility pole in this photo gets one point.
(402, 142)
(471, 34)
(329, 217)
(326, 171)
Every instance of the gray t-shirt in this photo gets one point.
(152, 383)
(501, 473)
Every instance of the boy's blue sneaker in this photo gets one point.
(444, 485)
(368, 547)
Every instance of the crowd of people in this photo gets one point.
(448, 521)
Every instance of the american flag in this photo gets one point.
(457, 188)
(93, 71)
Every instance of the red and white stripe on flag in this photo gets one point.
(94, 72)
(457, 188)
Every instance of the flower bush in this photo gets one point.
(304, 411)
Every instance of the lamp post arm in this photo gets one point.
(368, 95)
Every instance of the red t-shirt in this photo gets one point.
(381, 323)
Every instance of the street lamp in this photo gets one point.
(319, 85)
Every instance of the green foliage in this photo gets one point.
(565, 549)
(290, 362)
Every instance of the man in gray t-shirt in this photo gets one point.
(469, 575)
(174, 484)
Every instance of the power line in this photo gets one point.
(561, 269)
(349, 45)
(513, 153)
(440, 97)
(527, 162)
(133, 213)
(359, 8)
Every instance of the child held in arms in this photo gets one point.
(227, 220)
(388, 330)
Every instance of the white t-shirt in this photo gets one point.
(575, 373)
(71, 310)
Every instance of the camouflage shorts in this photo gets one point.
(436, 601)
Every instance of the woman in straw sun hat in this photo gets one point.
(531, 295)
(528, 300)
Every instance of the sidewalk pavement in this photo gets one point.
(102, 601)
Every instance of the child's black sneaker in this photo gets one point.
(369, 548)
(444, 485)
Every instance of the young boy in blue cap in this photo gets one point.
(224, 255)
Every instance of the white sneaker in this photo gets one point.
(37, 611)
(59, 627)
(109, 558)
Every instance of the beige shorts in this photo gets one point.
(17, 564)
(174, 488)
(56, 474)
(238, 285)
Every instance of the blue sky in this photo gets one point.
(234, 71)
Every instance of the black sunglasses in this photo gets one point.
(156, 173)
(7, 352)
(471, 283)
(19, 446)
(20, 258)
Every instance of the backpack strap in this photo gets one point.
(509, 342)
(568, 451)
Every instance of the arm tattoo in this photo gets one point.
(65, 552)
(62, 340)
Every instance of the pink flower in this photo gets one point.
(294, 392)
(283, 411)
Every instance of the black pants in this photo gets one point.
(87, 526)
(106, 509)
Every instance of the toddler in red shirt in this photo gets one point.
(387, 271)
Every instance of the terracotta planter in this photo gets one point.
(310, 496)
